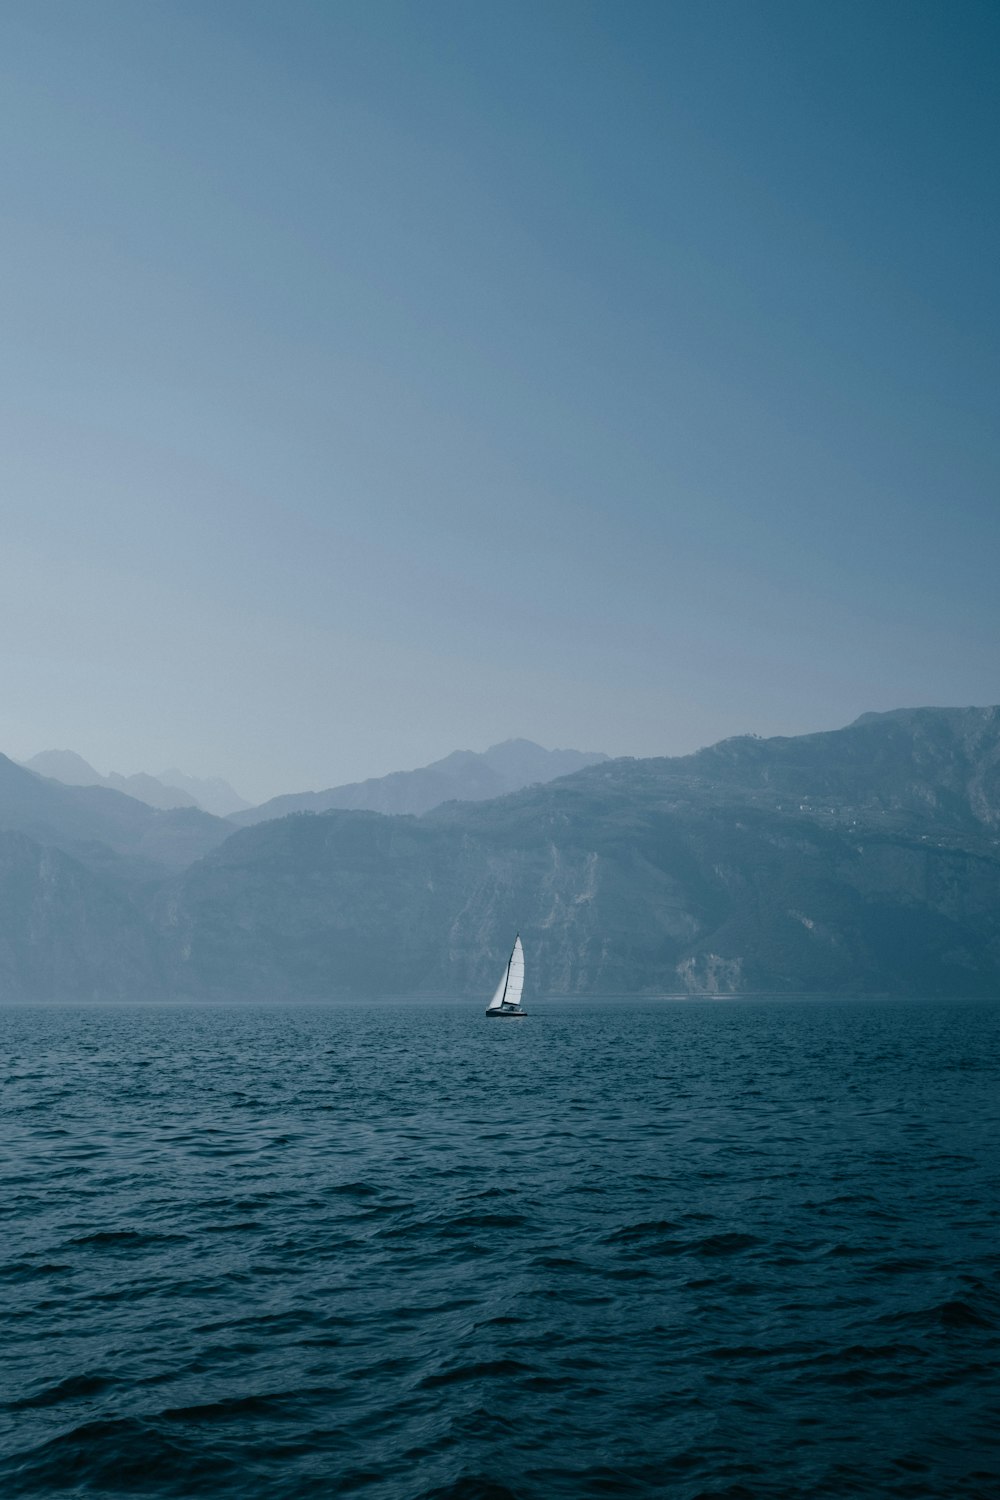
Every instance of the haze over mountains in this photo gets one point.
(862, 860)
(171, 788)
(464, 776)
(110, 833)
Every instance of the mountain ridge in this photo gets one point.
(857, 860)
(110, 832)
(864, 860)
(464, 775)
(171, 789)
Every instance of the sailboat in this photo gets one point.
(507, 997)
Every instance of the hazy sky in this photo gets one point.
(383, 378)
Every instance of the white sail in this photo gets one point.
(508, 991)
(515, 976)
(497, 1000)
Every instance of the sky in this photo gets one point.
(379, 379)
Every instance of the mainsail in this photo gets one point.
(508, 991)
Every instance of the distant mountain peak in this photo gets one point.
(171, 789)
(71, 769)
(462, 776)
(65, 766)
(210, 792)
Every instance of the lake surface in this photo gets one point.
(721, 1249)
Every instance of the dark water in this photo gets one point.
(690, 1250)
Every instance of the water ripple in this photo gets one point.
(704, 1251)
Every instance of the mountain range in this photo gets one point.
(463, 776)
(859, 860)
(110, 833)
(171, 788)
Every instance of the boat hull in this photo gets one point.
(506, 1015)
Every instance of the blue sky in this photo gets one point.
(379, 379)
